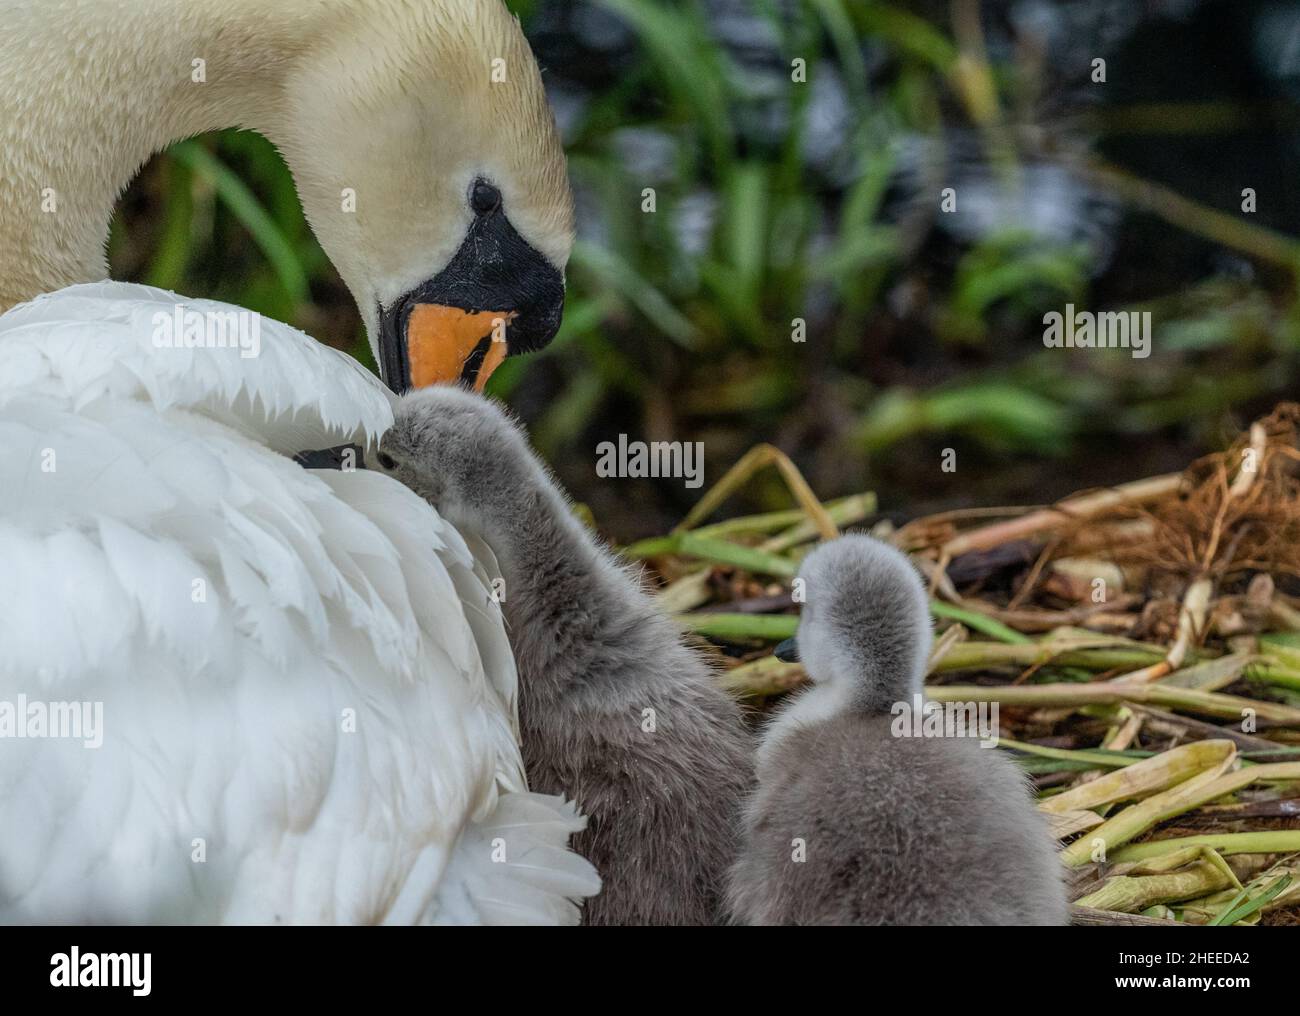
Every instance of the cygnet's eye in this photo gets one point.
(386, 460)
(484, 198)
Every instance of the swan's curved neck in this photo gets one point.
(89, 91)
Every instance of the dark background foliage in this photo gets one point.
(820, 201)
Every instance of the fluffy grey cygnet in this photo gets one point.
(615, 711)
(889, 830)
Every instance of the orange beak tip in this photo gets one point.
(442, 341)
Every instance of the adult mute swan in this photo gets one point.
(233, 689)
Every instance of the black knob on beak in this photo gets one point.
(498, 296)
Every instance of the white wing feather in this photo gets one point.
(308, 697)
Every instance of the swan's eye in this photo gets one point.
(386, 460)
(484, 198)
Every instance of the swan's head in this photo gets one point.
(430, 168)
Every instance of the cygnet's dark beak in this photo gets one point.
(788, 651)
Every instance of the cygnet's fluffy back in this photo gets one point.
(853, 825)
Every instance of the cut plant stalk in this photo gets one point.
(724, 552)
(1105, 693)
(1284, 615)
(1211, 675)
(1281, 647)
(1180, 875)
(1067, 823)
(1184, 728)
(845, 512)
(766, 676)
(1123, 734)
(985, 655)
(1068, 511)
(979, 622)
(944, 643)
(762, 677)
(654, 546)
(765, 522)
(1271, 841)
(1092, 758)
(687, 593)
(1138, 818)
(757, 458)
(715, 550)
(1090, 917)
(1142, 778)
(1269, 672)
(1050, 767)
(772, 627)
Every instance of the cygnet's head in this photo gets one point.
(865, 623)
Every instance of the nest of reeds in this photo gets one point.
(1142, 643)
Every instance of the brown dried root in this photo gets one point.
(1234, 511)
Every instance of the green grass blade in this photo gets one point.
(771, 627)
(243, 204)
(1236, 910)
(978, 622)
(728, 553)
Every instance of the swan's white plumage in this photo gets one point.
(324, 595)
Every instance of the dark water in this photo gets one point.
(1200, 96)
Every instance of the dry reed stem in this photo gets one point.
(1082, 506)
(1160, 772)
(1138, 818)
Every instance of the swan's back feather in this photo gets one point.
(303, 675)
(295, 394)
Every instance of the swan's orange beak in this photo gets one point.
(439, 332)
(446, 344)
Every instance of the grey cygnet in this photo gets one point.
(615, 711)
(852, 825)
